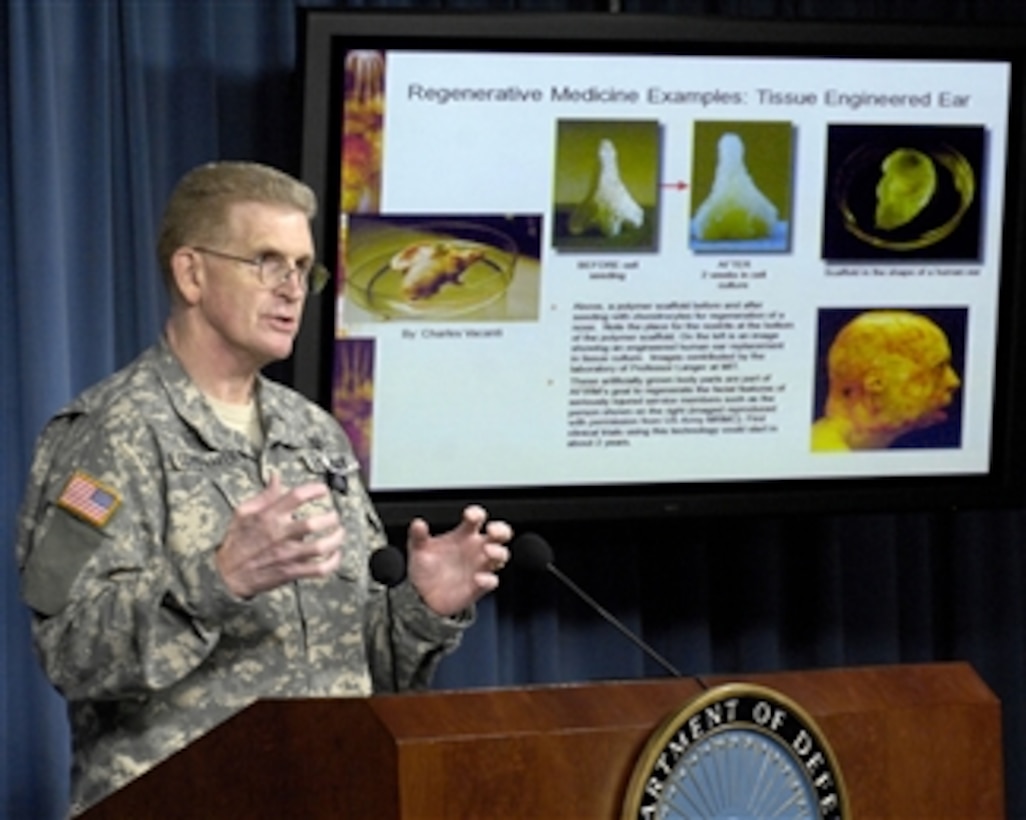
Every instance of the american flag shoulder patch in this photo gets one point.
(89, 499)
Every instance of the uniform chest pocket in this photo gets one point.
(203, 491)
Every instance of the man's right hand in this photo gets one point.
(269, 544)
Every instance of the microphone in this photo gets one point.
(388, 565)
(532, 552)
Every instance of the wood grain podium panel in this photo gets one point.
(911, 741)
(919, 741)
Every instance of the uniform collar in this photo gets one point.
(280, 426)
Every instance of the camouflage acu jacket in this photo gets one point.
(130, 493)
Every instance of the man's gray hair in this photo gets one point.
(197, 211)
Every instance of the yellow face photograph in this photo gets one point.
(886, 375)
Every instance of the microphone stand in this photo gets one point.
(623, 630)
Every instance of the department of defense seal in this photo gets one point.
(737, 752)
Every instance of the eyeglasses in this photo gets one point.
(273, 270)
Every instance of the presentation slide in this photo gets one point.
(572, 269)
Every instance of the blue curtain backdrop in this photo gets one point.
(106, 102)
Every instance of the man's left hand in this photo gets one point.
(453, 570)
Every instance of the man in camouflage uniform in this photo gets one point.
(182, 547)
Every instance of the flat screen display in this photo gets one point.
(591, 265)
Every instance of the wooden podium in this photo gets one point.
(911, 741)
